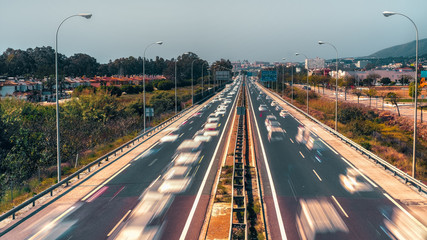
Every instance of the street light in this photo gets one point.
(202, 75)
(296, 54)
(176, 101)
(292, 82)
(143, 74)
(192, 89)
(283, 77)
(58, 152)
(336, 84)
(414, 160)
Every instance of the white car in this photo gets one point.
(262, 108)
(273, 103)
(269, 118)
(272, 125)
(213, 120)
(219, 112)
(171, 137)
(353, 182)
(283, 113)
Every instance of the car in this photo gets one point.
(275, 134)
(259, 98)
(220, 112)
(353, 181)
(213, 120)
(262, 108)
(273, 124)
(211, 129)
(283, 113)
(171, 137)
(189, 146)
(278, 107)
(269, 118)
(273, 103)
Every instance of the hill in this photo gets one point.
(403, 50)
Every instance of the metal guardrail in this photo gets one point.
(148, 134)
(238, 196)
(387, 166)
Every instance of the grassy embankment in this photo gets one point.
(37, 184)
(382, 132)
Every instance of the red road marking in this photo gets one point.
(97, 194)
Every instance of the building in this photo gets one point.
(315, 63)
(361, 63)
(394, 75)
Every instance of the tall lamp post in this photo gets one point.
(176, 101)
(336, 84)
(283, 77)
(292, 81)
(143, 74)
(58, 151)
(192, 88)
(306, 58)
(414, 159)
(203, 76)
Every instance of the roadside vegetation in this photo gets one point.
(384, 133)
(94, 122)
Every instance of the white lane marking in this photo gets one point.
(199, 193)
(51, 224)
(357, 170)
(339, 205)
(291, 140)
(406, 212)
(154, 181)
(329, 146)
(155, 160)
(301, 154)
(317, 175)
(121, 220)
(103, 184)
(270, 179)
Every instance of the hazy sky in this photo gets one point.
(233, 29)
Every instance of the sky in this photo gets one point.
(251, 30)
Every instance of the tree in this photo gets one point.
(347, 82)
(358, 93)
(412, 90)
(405, 79)
(383, 95)
(165, 85)
(385, 81)
(372, 92)
(393, 99)
(373, 77)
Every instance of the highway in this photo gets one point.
(158, 195)
(311, 192)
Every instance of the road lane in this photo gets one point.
(103, 210)
(305, 178)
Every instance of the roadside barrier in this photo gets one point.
(142, 137)
(387, 166)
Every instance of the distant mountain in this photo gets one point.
(403, 50)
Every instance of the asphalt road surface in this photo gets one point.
(311, 192)
(162, 203)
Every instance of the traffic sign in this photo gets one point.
(268, 76)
